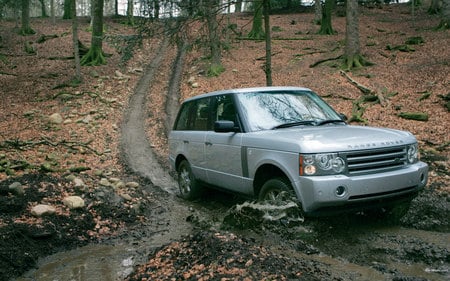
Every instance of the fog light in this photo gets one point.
(340, 191)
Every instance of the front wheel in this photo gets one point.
(188, 185)
(276, 189)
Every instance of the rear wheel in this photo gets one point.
(188, 185)
(276, 189)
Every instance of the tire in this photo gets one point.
(276, 189)
(188, 186)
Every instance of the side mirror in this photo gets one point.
(343, 116)
(224, 126)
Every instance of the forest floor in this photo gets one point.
(59, 139)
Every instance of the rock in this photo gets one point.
(70, 177)
(16, 188)
(73, 202)
(132, 184)
(119, 185)
(98, 173)
(194, 85)
(55, 118)
(42, 209)
(126, 196)
(78, 182)
(105, 182)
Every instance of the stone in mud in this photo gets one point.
(74, 202)
(42, 209)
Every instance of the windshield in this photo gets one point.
(270, 110)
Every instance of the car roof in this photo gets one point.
(248, 90)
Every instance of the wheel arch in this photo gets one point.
(180, 157)
(266, 172)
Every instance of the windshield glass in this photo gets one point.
(268, 110)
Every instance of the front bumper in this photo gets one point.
(323, 192)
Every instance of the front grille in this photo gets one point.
(375, 160)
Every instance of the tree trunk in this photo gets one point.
(434, 7)
(76, 49)
(325, 26)
(268, 64)
(211, 9)
(26, 28)
(95, 54)
(352, 56)
(156, 7)
(130, 13)
(52, 11)
(318, 11)
(67, 6)
(43, 11)
(238, 6)
(445, 18)
(257, 31)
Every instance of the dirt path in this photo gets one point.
(137, 153)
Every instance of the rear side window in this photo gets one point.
(194, 115)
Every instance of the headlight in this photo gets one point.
(412, 153)
(321, 164)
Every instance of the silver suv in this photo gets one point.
(272, 141)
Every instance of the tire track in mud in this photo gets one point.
(135, 146)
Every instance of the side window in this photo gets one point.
(184, 120)
(194, 115)
(225, 109)
(202, 110)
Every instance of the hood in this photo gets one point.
(332, 138)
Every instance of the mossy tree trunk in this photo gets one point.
(95, 54)
(352, 56)
(445, 18)
(257, 31)
(325, 26)
(67, 6)
(26, 28)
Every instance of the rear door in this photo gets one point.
(189, 135)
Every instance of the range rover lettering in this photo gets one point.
(271, 141)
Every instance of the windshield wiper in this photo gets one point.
(323, 122)
(293, 124)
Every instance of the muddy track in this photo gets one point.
(136, 150)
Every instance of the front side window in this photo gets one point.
(268, 110)
(194, 115)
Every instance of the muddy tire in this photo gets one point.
(276, 189)
(189, 187)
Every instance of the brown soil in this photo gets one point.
(39, 154)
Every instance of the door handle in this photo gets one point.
(208, 143)
(186, 141)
